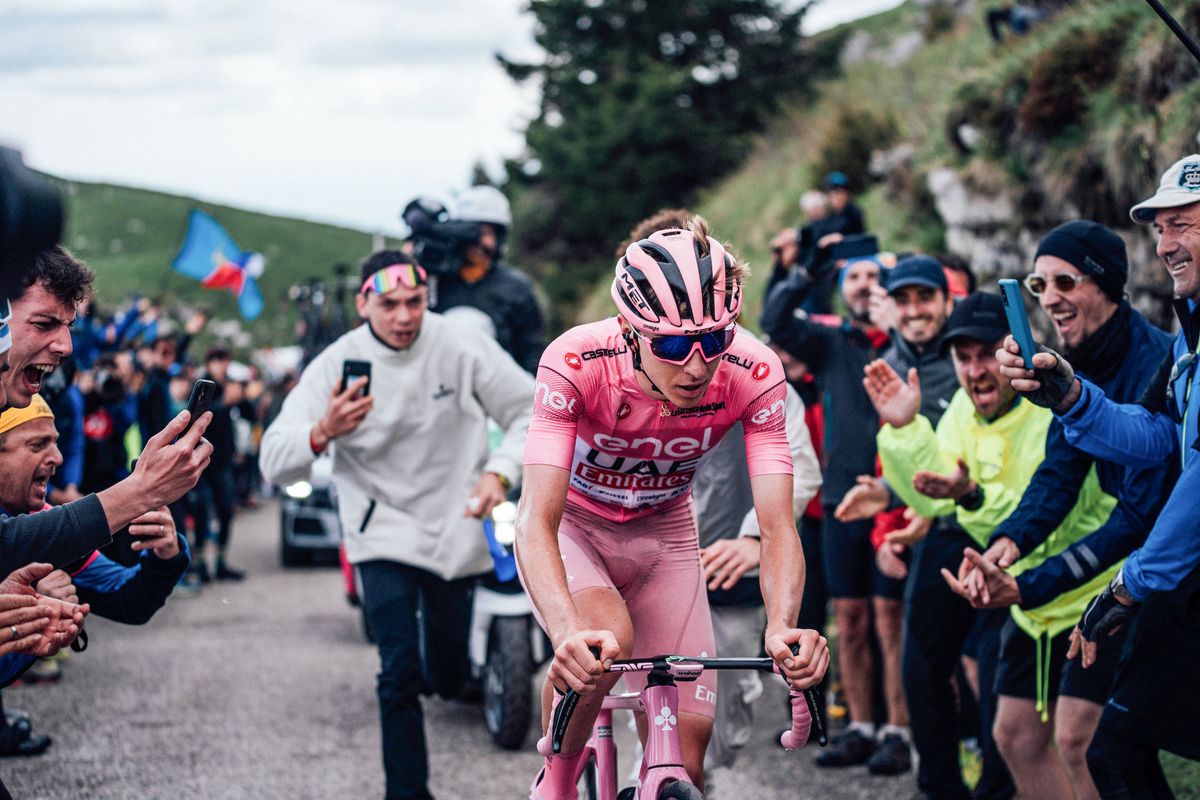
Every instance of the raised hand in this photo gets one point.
(865, 499)
(896, 401)
(999, 589)
(940, 487)
(345, 412)
(155, 530)
(916, 530)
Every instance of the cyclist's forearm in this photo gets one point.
(781, 576)
(546, 580)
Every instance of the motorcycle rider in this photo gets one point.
(485, 282)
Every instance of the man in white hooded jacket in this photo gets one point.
(414, 476)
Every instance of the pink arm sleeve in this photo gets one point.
(764, 420)
(557, 406)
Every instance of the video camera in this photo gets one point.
(31, 220)
(439, 243)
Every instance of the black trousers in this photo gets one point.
(417, 654)
(937, 622)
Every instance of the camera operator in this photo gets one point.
(166, 470)
(481, 280)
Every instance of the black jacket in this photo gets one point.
(507, 297)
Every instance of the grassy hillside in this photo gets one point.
(130, 236)
(1076, 119)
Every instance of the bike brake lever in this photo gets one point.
(563, 711)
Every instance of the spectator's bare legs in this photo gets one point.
(889, 624)
(1028, 748)
(1075, 722)
(854, 655)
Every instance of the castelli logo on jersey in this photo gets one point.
(573, 361)
(761, 370)
(624, 411)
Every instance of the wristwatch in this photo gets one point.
(1118, 588)
(972, 500)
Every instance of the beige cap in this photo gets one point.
(1180, 186)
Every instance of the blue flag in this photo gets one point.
(210, 255)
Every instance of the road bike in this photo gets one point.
(662, 775)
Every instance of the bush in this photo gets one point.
(848, 144)
(1063, 77)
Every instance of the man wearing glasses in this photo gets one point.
(1078, 278)
(413, 476)
(1153, 703)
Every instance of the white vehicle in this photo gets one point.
(309, 530)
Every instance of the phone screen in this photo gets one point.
(353, 370)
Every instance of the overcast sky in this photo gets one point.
(338, 112)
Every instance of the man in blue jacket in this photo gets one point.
(1152, 703)
(1079, 280)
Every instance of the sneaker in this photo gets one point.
(19, 740)
(847, 749)
(201, 572)
(891, 757)
(226, 573)
(44, 670)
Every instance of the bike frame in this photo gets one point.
(662, 756)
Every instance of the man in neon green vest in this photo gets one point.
(976, 466)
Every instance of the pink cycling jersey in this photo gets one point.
(630, 455)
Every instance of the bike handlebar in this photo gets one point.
(805, 715)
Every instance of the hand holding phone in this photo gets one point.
(1018, 320)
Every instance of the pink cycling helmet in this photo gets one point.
(665, 285)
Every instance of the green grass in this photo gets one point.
(130, 236)
(1183, 775)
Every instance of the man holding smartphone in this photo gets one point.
(414, 476)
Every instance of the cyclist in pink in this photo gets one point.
(625, 411)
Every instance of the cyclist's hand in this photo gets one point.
(574, 666)
(807, 667)
(726, 561)
(864, 500)
(1083, 648)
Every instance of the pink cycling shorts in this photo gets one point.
(654, 563)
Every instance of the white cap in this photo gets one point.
(1180, 186)
(482, 204)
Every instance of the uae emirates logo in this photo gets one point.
(761, 370)
(624, 411)
(573, 361)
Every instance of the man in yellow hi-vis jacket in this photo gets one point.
(976, 466)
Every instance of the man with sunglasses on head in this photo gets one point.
(414, 477)
(1153, 703)
(1078, 278)
(626, 411)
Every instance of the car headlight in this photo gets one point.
(504, 520)
(299, 490)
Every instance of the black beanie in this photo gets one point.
(1094, 250)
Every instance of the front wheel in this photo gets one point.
(680, 790)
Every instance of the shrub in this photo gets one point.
(849, 141)
(1062, 78)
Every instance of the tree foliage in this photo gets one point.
(643, 103)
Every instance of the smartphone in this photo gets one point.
(858, 245)
(353, 370)
(203, 392)
(1018, 320)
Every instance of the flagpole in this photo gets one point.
(1176, 28)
